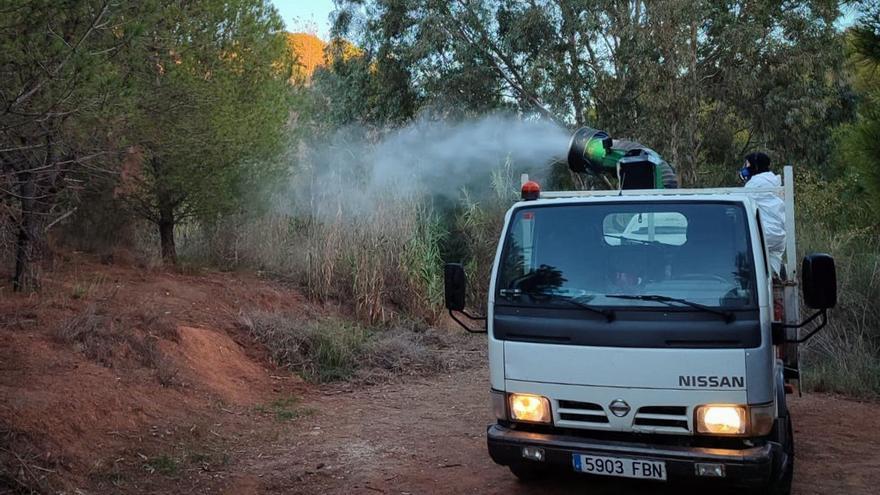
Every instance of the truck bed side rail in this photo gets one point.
(739, 191)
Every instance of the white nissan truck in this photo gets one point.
(640, 333)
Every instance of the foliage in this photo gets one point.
(423, 264)
(859, 141)
(183, 104)
(699, 81)
(837, 208)
(204, 118)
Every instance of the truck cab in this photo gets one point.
(635, 334)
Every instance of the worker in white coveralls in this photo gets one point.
(756, 174)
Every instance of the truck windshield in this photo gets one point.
(694, 251)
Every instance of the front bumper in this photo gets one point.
(749, 466)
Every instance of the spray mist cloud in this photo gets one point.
(428, 157)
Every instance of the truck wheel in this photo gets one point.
(781, 483)
(527, 473)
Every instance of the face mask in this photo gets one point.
(745, 174)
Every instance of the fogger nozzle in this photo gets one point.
(587, 149)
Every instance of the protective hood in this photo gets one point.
(765, 179)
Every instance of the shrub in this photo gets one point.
(91, 333)
(402, 352)
(833, 217)
(331, 349)
(845, 356)
(103, 338)
(321, 351)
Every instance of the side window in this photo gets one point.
(520, 250)
(763, 244)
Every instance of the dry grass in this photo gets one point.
(151, 319)
(480, 227)
(91, 333)
(25, 466)
(331, 350)
(845, 356)
(112, 340)
(383, 261)
(321, 351)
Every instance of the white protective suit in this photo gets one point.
(772, 210)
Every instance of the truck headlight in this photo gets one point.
(721, 420)
(529, 408)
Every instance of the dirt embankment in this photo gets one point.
(171, 396)
(112, 371)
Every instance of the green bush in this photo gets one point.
(833, 217)
(845, 356)
(320, 351)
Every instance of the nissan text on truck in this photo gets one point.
(640, 332)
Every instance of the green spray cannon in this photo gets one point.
(636, 166)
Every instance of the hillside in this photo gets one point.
(309, 51)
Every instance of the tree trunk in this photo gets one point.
(166, 235)
(26, 277)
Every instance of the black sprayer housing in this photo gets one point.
(587, 149)
(636, 166)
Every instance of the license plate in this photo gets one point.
(620, 466)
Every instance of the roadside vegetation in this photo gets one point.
(214, 139)
(328, 350)
(127, 339)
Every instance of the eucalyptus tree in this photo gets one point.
(699, 81)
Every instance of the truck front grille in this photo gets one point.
(585, 413)
(666, 419)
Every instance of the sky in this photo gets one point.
(306, 15)
(313, 15)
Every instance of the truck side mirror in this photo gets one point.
(455, 286)
(819, 283)
(819, 279)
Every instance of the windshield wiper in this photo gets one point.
(728, 316)
(640, 241)
(607, 313)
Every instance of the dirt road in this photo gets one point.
(429, 437)
(227, 420)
